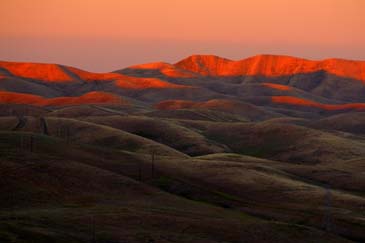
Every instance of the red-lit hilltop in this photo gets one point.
(279, 83)
(271, 66)
(38, 76)
(331, 84)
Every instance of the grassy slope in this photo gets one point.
(90, 133)
(348, 122)
(162, 131)
(265, 188)
(239, 182)
(78, 111)
(196, 114)
(21, 110)
(58, 195)
(280, 141)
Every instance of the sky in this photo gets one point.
(106, 35)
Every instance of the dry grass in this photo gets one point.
(100, 166)
(61, 197)
(162, 131)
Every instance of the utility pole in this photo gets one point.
(21, 145)
(12, 205)
(140, 171)
(93, 230)
(66, 133)
(327, 219)
(31, 143)
(153, 164)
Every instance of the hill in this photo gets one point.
(264, 149)
(270, 65)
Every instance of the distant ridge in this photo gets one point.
(271, 65)
(206, 65)
(54, 73)
(267, 81)
(39, 71)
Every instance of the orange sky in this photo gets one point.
(103, 35)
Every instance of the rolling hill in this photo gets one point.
(264, 149)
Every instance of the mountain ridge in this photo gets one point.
(200, 78)
(271, 65)
(207, 65)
